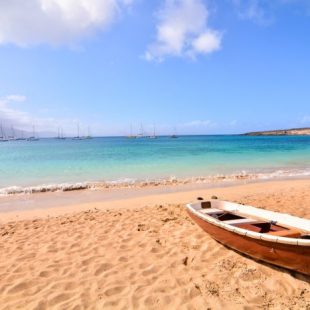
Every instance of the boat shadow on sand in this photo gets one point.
(294, 274)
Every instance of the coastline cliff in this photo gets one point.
(281, 132)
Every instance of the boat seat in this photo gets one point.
(211, 211)
(241, 221)
(289, 233)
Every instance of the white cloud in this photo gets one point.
(55, 22)
(12, 116)
(305, 119)
(255, 10)
(207, 42)
(183, 30)
(263, 11)
(16, 98)
(233, 123)
(199, 123)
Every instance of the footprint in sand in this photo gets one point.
(19, 287)
(150, 271)
(123, 259)
(87, 261)
(58, 299)
(45, 274)
(114, 290)
(19, 269)
(143, 265)
(126, 240)
(123, 247)
(103, 267)
(155, 250)
(142, 245)
(42, 304)
(150, 301)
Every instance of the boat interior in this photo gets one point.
(252, 224)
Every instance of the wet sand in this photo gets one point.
(141, 251)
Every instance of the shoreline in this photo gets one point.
(279, 174)
(42, 205)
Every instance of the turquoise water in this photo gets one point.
(52, 161)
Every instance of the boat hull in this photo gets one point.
(289, 256)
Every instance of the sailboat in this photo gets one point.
(131, 136)
(141, 134)
(60, 134)
(78, 134)
(154, 135)
(21, 136)
(174, 135)
(2, 137)
(88, 134)
(62, 137)
(33, 137)
(12, 137)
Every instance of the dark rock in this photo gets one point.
(185, 261)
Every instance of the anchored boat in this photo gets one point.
(276, 238)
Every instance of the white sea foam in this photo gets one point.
(172, 180)
(45, 188)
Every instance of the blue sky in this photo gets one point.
(203, 67)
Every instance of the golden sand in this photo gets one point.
(144, 253)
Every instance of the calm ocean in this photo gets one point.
(52, 161)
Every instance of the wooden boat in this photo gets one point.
(277, 238)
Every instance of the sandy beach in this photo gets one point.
(134, 134)
(140, 251)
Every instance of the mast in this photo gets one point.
(78, 132)
(33, 137)
(131, 135)
(2, 137)
(88, 133)
(13, 132)
(154, 134)
(174, 133)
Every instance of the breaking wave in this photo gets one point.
(135, 183)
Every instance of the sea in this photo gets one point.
(56, 164)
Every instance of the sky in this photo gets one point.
(199, 66)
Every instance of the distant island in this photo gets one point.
(281, 132)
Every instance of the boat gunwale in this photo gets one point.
(245, 232)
